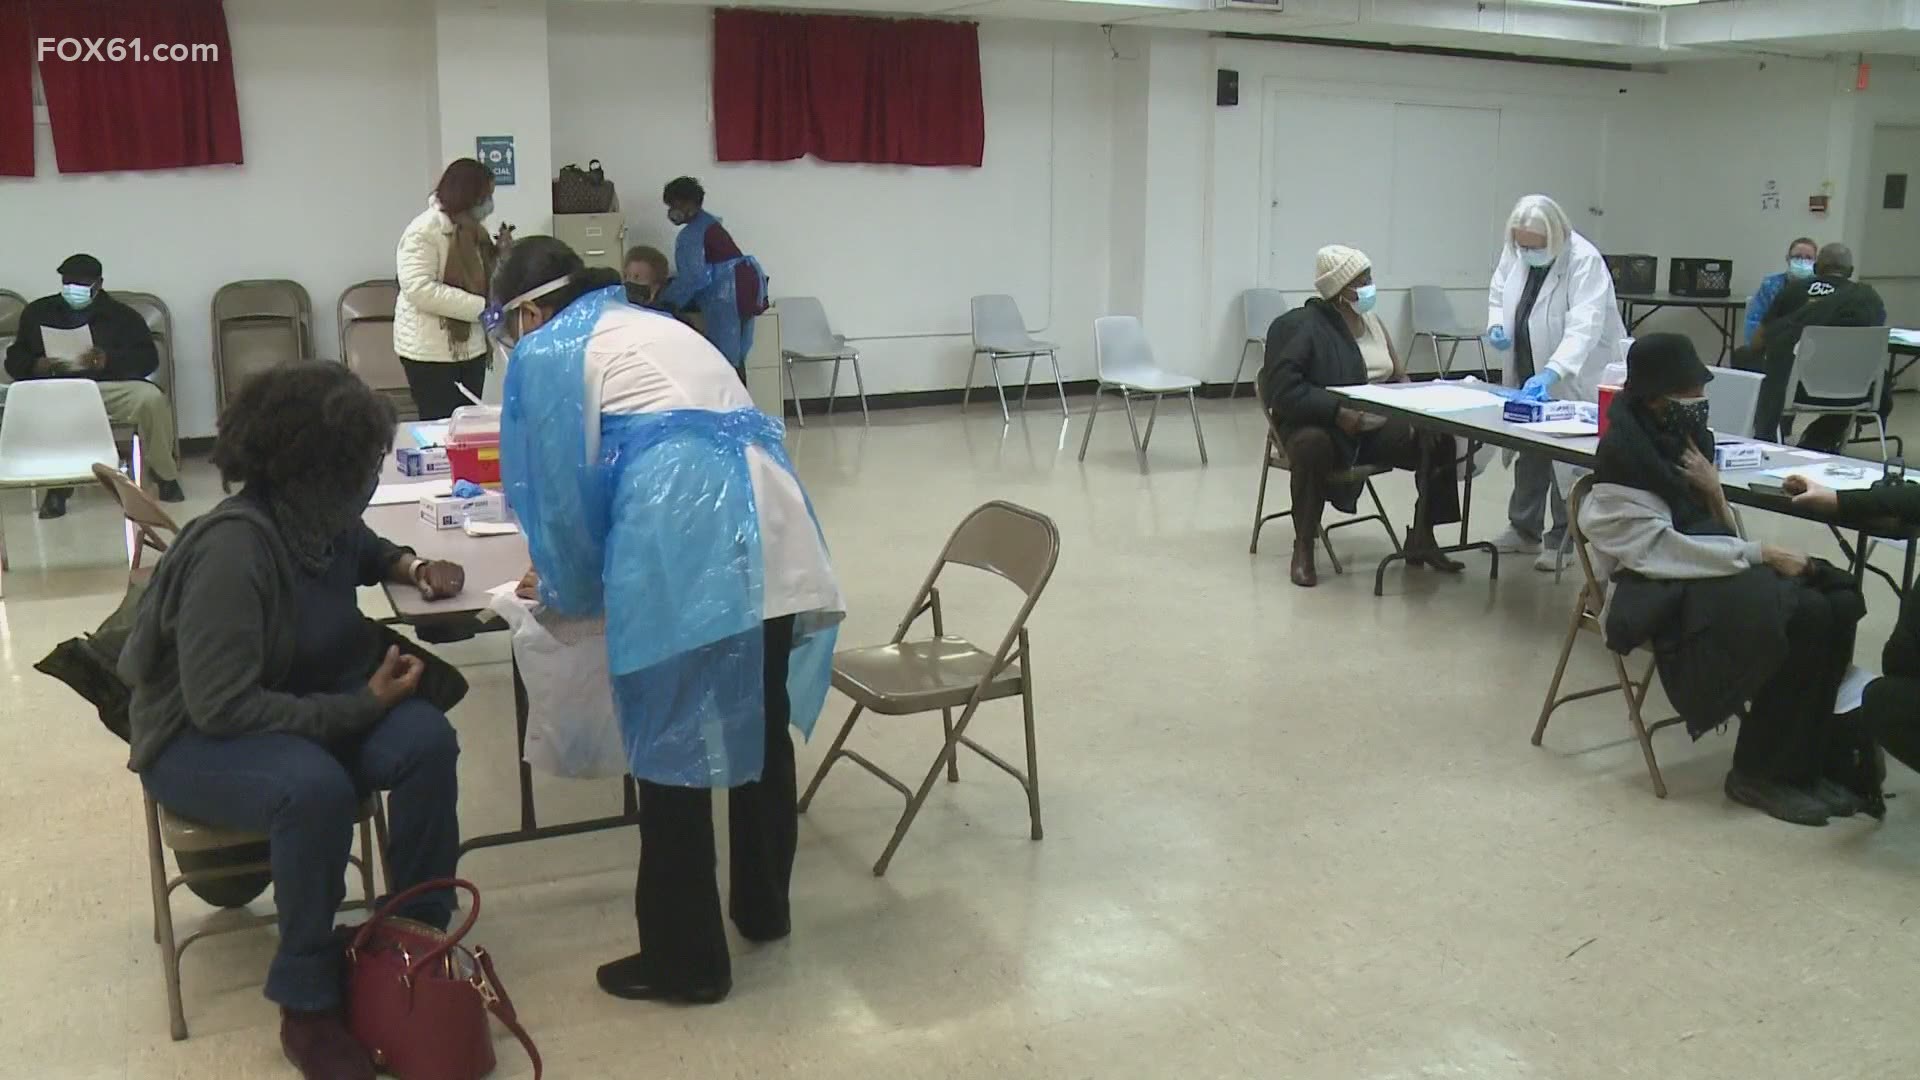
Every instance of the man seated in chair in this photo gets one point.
(1739, 628)
(1829, 298)
(1336, 340)
(82, 332)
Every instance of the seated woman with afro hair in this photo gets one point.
(264, 702)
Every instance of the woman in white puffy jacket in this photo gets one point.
(1551, 309)
(444, 263)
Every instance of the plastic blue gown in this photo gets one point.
(660, 534)
(712, 289)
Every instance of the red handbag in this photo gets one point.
(418, 1000)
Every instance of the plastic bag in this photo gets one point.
(571, 729)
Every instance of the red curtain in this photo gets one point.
(16, 90)
(849, 89)
(166, 102)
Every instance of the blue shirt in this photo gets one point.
(1762, 299)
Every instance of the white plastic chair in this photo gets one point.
(1843, 370)
(1433, 319)
(807, 338)
(53, 433)
(1125, 363)
(1000, 333)
(1733, 400)
(1260, 307)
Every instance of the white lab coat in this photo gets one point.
(1575, 324)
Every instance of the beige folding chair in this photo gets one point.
(1276, 458)
(258, 325)
(904, 677)
(160, 325)
(168, 830)
(11, 305)
(366, 341)
(149, 528)
(1587, 609)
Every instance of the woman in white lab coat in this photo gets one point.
(1551, 308)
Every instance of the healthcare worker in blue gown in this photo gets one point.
(652, 491)
(711, 275)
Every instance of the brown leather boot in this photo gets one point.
(1303, 573)
(1423, 550)
(322, 1048)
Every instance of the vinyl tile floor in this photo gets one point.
(1289, 833)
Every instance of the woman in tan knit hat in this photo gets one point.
(1336, 340)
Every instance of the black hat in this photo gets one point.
(83, 268)
(1659, 364)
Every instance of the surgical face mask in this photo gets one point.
(77, 296)
(1800, 268)
(678, 216)
(484, 209)
(1536, 257)
(1364, 297)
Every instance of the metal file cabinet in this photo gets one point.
(599, 239)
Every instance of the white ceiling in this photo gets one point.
(1621, 31)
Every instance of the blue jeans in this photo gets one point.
(305, 795)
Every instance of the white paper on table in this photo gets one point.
(1427, 396)
(1898, 336)
(1833, 474)
(490, 528)
(66, 346)
(1853, 688)
(1564, 429)
(398, 494)
(1810, 455)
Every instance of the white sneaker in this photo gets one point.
(1512, 543)
(1549, 561)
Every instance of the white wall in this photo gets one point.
(1542, 108)
(334, 120)
(492, 80)
(894, 253)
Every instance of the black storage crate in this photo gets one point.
(1700, 277)
(1638, 274)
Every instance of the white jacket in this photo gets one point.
(418, 333)
(1575, 325)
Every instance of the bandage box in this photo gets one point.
(453, 512)
(1518, 411)
(416, 462)
(1738, 455)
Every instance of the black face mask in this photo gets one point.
(1686, 422)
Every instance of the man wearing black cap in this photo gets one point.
(119, 357)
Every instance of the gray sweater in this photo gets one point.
(215, 635)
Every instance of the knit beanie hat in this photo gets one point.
(1335, 266)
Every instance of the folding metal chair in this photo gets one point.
(1587, 615)
(1276, 458)
(365, 314)
(257, 325)
(943, 673)
(149, 527)
(160, 326)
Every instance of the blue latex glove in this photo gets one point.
(1538, 388)
(467, 489)
(1497, 337)
(491, 317)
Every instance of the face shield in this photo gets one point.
(503, 323)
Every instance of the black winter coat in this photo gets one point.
(1309, 349)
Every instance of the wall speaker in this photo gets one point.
(1226, 87)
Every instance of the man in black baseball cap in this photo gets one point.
(81, 332)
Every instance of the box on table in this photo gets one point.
(453, 512)
(414, 461)
(1738, 455)
(1518, 411)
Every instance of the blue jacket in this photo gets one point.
(1762, 299)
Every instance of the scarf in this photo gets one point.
(470, 261)
(1638, 451)
(311, 517)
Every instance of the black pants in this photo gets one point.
(1313, 456)
(1785, 733)
(676, 900)
(1891, 709)
(433, 389)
